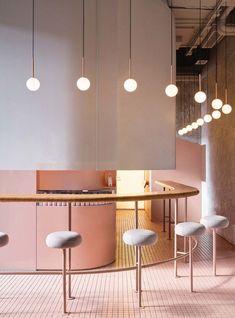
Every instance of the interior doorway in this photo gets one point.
(130, 181)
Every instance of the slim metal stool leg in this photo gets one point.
(214, 252)
(137, 268)
(139, 274)
(175, 238)
(190, 264)
(64, 280)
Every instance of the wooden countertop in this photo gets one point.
(177, 190)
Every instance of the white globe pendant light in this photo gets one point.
(207, 118)
(200, 96)
(194, 125)
(216, 103)
(189, 128)
(171, 90)
(226, 109)
(184, 130)
(216, 114)
(180, 132)
(130, 84)
(200, 121)
(83, 83)
(33, 84)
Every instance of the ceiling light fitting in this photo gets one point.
(130, 85)
(83, 82)
(33, 84)
(171, 90)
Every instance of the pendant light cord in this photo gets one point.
(200, 42)
(33, 27)
(83, 37)
(171, 45)
(216, 50)
(226, 62)
(130, 48)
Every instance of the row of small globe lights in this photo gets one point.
(216, 114)
(200, 97)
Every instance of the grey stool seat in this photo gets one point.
(214, 222)
(4, 239)
(190, 229)
(139, 238)
(64, 240)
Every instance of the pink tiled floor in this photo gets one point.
(112, 294)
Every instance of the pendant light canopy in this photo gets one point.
(216, 102)
(130, 85)
(171, 90)
(33, 84)
(83, 82)
(226, 109)
(200, 96)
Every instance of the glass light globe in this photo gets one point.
(200, 97)
(226, 109)
(189, 128)
(180, 132)
(184, 130)
(207, 118)
(216, 114)
(217, 103)
(33, 84)
(200, 121)
(130, 85)
(194, 125)
(171, 90)
(83, 83)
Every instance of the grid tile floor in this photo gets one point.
(112, 294)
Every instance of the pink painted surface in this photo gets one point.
(96, 224)
(189, 170)
(18, 220)
(72, 179)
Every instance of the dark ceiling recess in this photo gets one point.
(192, 64)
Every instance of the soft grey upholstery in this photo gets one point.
(215, 221)
(63, 239)
(189, 229)
(4, 239)
(140, 237)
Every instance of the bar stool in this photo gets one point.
(139, 238)
(4, 239)
(190, 229)
(63, 240)
(214, 222)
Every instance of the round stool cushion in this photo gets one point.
(189, 229)
(215, 221)
(140, 237)
(63, 239)
(4, 239)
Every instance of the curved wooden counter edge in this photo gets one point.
(178, 190)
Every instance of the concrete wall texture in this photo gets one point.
(219, 139)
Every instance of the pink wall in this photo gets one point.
(189, 170)
(73, 179)
(18, 220)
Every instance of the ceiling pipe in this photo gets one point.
(222, 27)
